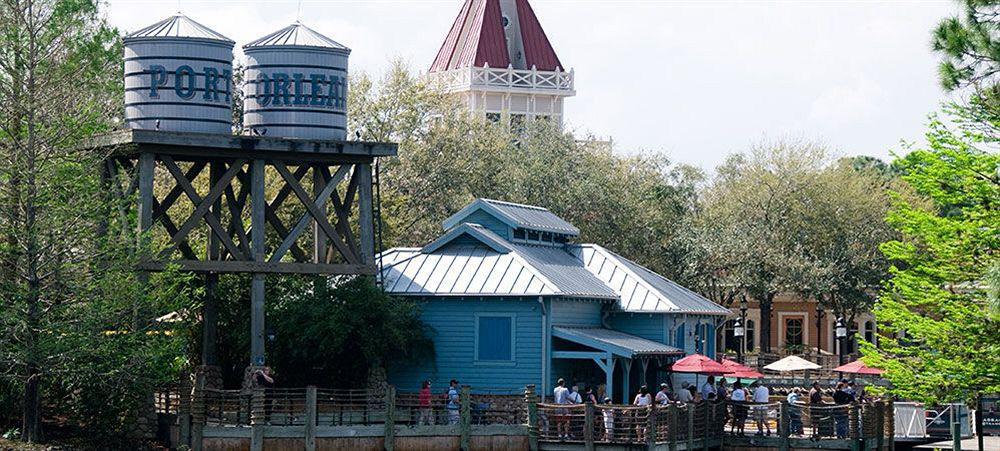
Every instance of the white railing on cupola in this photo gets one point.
(557, 82)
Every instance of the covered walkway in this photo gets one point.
(609, 349)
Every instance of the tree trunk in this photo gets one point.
(766, 304)
(31, 418)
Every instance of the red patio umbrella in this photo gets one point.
(735, 366)
(858, 367)
(697, 363)
(749, 374)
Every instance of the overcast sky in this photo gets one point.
(694, 79)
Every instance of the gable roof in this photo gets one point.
(640, 289)
(476, 231)
(478, 38)
(515, 215)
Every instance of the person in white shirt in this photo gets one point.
(684, 394)
(739, 398)
(643, 398)
(761, 396)
(609, 420)
(560, 395)
(708, 388)
(663, 396)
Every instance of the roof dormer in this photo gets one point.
(516, 223)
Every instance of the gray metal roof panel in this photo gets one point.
(620, 340)
(515, 215)
(177, 26)
(297, 35)
(630, 280)
(564, 270)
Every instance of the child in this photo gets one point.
(609, 420)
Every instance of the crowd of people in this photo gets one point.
(749, 404)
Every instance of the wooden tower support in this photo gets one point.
(216, 204)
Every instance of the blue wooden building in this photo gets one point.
(513, 300)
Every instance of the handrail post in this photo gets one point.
(690, 436)
(784, 428)
(672, 433)
(588, 426)
(531, 402)
(854, 425)
(257, 420)
(198, 413)
(889, 425)
(651, 427)
(311, 418)
(708, 426)
(466, 419)
(390, 418)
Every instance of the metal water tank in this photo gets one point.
(178, 77)
(296, 85)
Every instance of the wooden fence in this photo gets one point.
(312, 418)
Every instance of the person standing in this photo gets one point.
(560, 396)
(574, 395)
(794, 411)
(663, 396)
(761, 397)
(588, 396)
(708, 387)
(739, 400)
(815, 408)
(263, 379)
(424, 401)
(454, 403)
(684, 394)
(608, 412)
(842, 399)
(642, 399)
(722, 392)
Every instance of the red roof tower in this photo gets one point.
(496, 33)
(498, 55)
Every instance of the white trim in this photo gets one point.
(513, 340)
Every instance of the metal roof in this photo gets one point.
(297, 35)
(516, 215)
(564, 270)
(478, 38)
(613, 341)
(642, 290)
(177, 26)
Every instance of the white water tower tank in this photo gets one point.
(296, 85)
(178, 77)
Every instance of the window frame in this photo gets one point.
(513, 340)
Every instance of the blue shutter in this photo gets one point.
(679, 339)
(494, 338)
(710, 330)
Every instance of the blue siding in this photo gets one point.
(490, 222)
(576, 313)
(645, 325)
(454, 324)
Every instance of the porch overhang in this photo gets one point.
(612, 342)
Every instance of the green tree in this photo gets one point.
(938, 341)
(448, 157)
(66, 285)
(969, 45)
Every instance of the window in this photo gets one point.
(561, 239)
(869, 331)
(493, 117)
(532, 235)
(518, 234)
(751, 329)
(517, 123)
(679, 338)
(793, 334)
(547, 237)
(494, 338)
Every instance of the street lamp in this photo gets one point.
(739, 332)
(820, 314)
(840, 328)
(743, 324)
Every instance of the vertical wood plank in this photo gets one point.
(258, 203)
(390, 418)
(209, 311)
(319, 237)
(531, 401)
(147, 164)
(311, 418)
(466, 419)
(365, 213)
(672, 433)
(588, 426)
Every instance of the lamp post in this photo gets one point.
(738, 332)
(743, 325)
(840, 328)
(820, 314)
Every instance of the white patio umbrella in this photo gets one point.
(792, 363)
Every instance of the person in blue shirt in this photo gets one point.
(454, 403)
